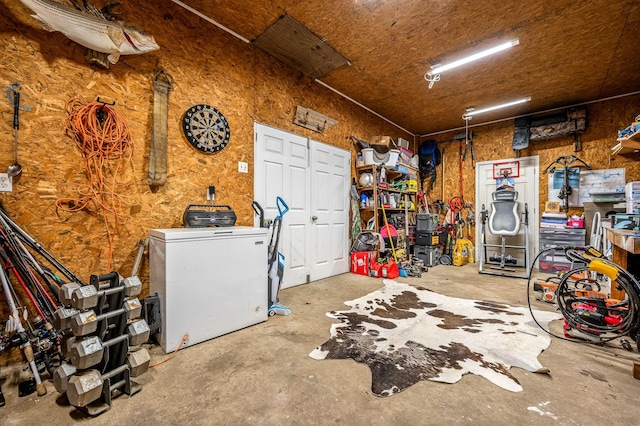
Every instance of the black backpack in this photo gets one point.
(429, 157)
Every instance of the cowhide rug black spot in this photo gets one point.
(406, 334)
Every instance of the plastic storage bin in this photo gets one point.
(371, 156)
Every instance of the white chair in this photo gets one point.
(504, 221)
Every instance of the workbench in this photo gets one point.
(624, 242)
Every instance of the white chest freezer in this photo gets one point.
(210, 281)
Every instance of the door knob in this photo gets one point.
(314, 218)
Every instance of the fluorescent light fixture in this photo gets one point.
(434, 74)
(472, 111)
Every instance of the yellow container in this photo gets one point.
(462, 252)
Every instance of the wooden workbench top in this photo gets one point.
(626, 239)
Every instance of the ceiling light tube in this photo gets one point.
(437, 69)
(472, 111)
(434, 74)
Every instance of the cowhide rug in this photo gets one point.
(406, 334)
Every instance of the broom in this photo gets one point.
(401, 270)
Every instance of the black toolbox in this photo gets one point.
(430, 255)
(428, 238)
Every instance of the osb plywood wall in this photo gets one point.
(493, 142)
(208, 65)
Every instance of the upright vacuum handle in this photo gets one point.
(282, 207)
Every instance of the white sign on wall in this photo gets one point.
(606, 181)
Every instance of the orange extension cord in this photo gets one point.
(171, 355)
(105, 149)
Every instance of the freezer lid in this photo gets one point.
(175, 234)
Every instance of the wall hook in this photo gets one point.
(100, 112)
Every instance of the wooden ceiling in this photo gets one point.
(570, 52)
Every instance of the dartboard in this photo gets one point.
(206, 128)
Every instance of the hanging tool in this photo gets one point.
(468, 147)
(455, 205)
(443, 173)
(471, 221)
(461, 167)
(13, 94)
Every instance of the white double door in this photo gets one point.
(313, 179)
(527, 185)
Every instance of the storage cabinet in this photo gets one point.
(555, 260)
(383, 190)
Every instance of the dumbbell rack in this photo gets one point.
(115, 367)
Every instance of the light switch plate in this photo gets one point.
(243, 167)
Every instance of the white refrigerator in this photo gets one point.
(210, 281)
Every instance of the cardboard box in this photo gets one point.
(552, 206)
(381, 140)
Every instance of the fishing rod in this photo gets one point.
(37, 247)
(45, 336)
(25, 275)
(14, 324)
(45, 339)
(10, 267)
(40, 269)
(25, 260)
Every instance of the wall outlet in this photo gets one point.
(6, 183)
(243, 167)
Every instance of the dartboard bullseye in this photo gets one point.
(206, 128)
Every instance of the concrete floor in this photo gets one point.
(262, 375)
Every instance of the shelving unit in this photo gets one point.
(404, 201)
(628, 145)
